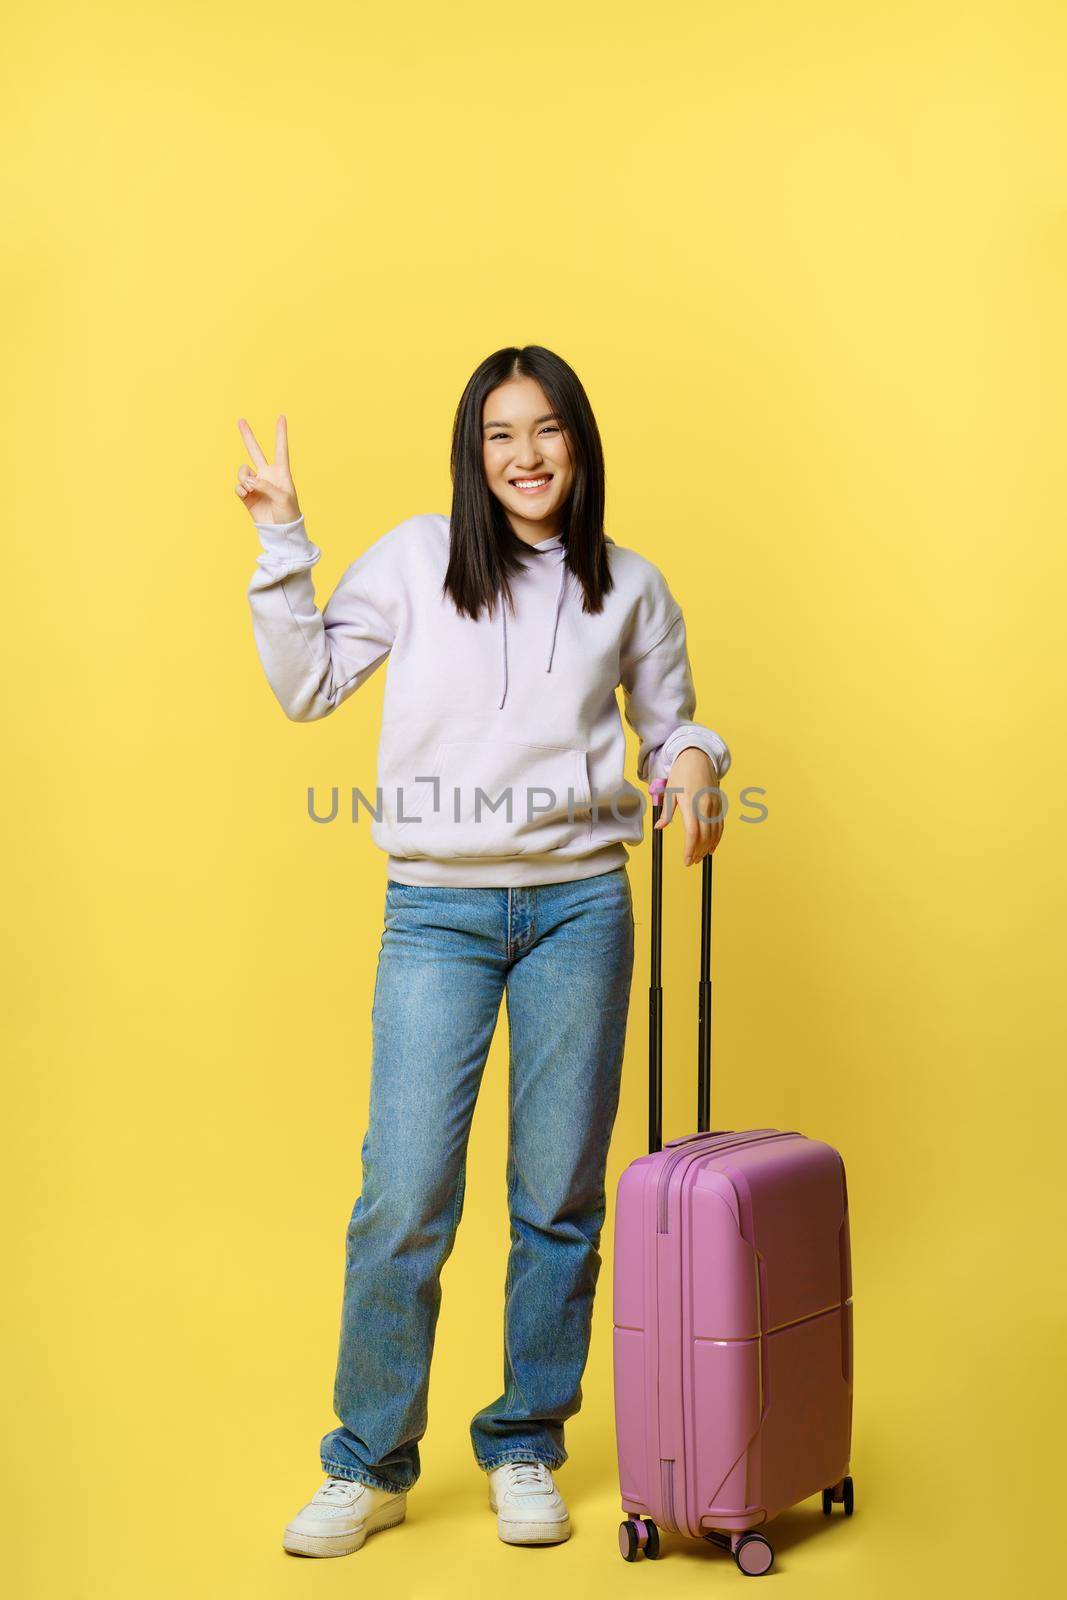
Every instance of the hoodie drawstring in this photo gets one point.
(555, 626)
(504, 625)
(555, 620)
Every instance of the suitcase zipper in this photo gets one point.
(667, 1490)
(678, 1156)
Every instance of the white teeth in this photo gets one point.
(530, 483)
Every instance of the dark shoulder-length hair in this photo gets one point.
(484, 550)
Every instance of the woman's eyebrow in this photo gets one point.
(552, 415)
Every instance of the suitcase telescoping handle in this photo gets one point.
(655, 990)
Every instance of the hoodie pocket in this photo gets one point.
(497, 797)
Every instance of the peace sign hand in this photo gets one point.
(268, 492)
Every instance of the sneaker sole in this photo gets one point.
(342, 1544)
(533, 1532)
(530, 1532)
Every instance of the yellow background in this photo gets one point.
(809, 262)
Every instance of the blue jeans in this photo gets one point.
(563, 955)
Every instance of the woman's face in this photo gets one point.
(527, 459)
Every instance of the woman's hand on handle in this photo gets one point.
(267, 487)
(693, 785)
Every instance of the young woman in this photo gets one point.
(505, 814)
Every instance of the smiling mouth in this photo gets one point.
(531, 485)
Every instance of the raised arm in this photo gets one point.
(313, 660)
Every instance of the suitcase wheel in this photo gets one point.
(841, 1492)
(637, 1534)
(754, 1555)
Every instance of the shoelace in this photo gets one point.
(532, 1473)
(338, 1489)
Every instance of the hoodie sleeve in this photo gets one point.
(314, 660)
(658, 695)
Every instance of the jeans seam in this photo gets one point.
(457, 1206)
(371, 1479)
(510, 1174)
(518, 1453)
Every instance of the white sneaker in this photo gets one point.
(339, 1516)
(529, 1507)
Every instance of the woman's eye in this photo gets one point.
(551, 429)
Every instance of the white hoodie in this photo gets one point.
(498, 735)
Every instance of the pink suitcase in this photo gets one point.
(732, 1311)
